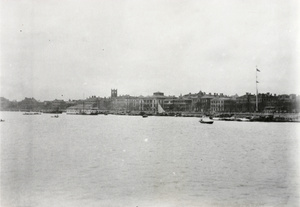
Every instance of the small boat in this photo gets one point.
(55, 116)
(144, 115)
(242, 119)
(2, 120)
(206, 121)
(32, 113)
(216, 118)
(232, 118)
(52, 112)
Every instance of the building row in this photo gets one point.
(206, 103)
(158, 102)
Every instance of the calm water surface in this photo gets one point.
(155, 161)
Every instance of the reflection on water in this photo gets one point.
(158, 161)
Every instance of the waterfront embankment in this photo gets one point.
(229, 116)
(266, 117)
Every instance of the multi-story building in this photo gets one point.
(204, 105)
(84, 108)
(246, 103)
(287, 103)
(196, 100)
(177, 104)
(126, 103)
(120, 103)
(222, 104)
(151, 103)
(297, 107)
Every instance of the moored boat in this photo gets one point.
(216, 118)
(206, 121)
(232, 118)
(52, 112)
(242, 119)
(32, 113)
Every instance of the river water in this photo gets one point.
(156, 161)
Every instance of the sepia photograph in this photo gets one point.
(149, 103)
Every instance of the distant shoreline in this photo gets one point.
(251, 117)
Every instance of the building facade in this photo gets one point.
(222, 104)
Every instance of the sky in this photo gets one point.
(73, 49)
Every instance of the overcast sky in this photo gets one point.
(72, 49)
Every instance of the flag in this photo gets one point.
(257, 70)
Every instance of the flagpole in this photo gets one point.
(256, 90)
(257, 70)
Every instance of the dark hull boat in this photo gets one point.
(206, 121)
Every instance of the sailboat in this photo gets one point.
(160, 110)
